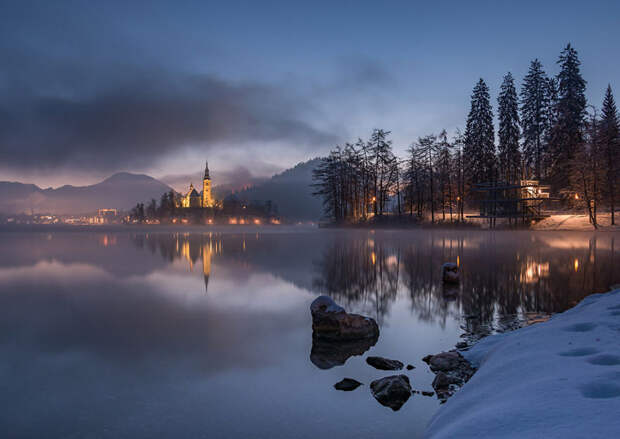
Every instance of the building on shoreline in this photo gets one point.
(195, 199)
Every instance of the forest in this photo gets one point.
(546, 131)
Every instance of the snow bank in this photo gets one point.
(558, 379)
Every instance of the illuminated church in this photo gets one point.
(203, 199)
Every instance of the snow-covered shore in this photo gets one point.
(558, 379)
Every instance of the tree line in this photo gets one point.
(546, 132)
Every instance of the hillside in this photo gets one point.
(290, 191)
(122, 191)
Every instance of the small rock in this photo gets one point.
(441, 382)
(450, 273)
(384, 363)
(427, 393)
(410, 367)
(461, 345)
(445, 361)
(392, 391)
(347, 384)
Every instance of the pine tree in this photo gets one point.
(536, 99)
(570, 110)
(479, 148)
(509, 132)
(610, 144)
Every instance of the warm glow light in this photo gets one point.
(576, 196)
(374, 199)
(373, 258)
(256, 221)
(576, 264)
(458, 261)
(232, 221)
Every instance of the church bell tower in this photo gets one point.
(207, 198)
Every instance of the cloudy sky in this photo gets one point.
(90, 88)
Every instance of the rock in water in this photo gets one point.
(384, 363)
(332, 322)
(392, 391)
(450, 273)
(451, 370)
(445, 361)
(347, 384)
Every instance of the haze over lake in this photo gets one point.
(142, 333)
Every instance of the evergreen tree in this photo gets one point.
(610, 144)
(509, 132)
(479, 148)
(570, 110)
(536, 99)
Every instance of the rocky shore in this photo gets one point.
(555, 379)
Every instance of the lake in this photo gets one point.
(155, 332)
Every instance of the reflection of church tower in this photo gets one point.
(207, 198)
(206, 263)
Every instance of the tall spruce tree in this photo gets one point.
(610, 145)
(570, 111)
(536, 98)
(479, 146)
(509, 132)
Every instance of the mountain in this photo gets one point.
(290, 191)
(122, 191)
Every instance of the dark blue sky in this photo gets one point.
(89, 88)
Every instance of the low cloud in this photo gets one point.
(140, 122)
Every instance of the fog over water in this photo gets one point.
(143, 333)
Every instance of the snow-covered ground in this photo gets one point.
(579, 222)
(558, 379)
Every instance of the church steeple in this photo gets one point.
(207, 197)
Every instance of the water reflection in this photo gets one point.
(118, 328)
(502, 274)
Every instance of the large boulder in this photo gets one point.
(384, 363)
(392, 391)
(331, 322)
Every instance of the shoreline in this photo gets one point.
(566, 368)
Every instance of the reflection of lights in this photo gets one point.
(576, 264)
(232, 220)
(256, 221)
(210, 221)
(391, 261)
(373, 258)
(535, 271)
(458, 261)
(275, 221)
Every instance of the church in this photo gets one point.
(196, 199)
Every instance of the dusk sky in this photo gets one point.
(91, 88)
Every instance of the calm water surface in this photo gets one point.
(141, 333)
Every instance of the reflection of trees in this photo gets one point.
(502, 275)
(360, 272)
